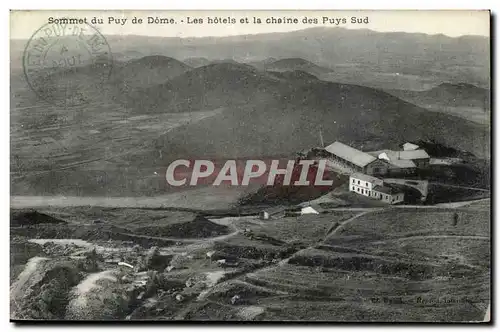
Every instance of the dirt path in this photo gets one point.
(175, 200)
(345, 222)
(423, 237)
(183, 240)
(460, 187)
(204, 198)
(451, 205)
(285, 260)
(461, 204)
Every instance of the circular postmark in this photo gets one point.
(67, 64)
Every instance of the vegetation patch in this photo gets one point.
(29, 218)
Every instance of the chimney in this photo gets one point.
(321, 137)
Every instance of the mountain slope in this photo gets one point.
(72, 86)
(147, 71)
(207, 87)
(293, 64)
(196, 62)
(288, 122)
(464, 100)
(448, 94)
(260, 115)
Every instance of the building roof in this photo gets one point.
(414, 154)
(274, 210)
(309, 210)
(389, 153)
(367, 178)
(401, 159)
(312, 208)
(358, 158)
(402, 163)
(410, 146)
(386, 189)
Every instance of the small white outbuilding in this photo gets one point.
(308, 210)
(410, 146)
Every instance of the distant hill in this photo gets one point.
(72, 86)
(442, 58)
(448, 94)
(148, 71)
(296, 75)
(268, 115)
(261, 64)
(293, 64)
(96, 82)
(232, 61)
(465, 100)
(207, 87)
(196, 62)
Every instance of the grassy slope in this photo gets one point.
(373, 271)
(377, 267)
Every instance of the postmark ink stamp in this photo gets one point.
(67, 64)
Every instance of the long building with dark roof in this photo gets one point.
(356, 160)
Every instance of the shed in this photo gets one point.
(410, 146)
(388, 193)
(308, 210)
(273, 212)
(311, 209)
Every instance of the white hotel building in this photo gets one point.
(363, 184)
(375, 188)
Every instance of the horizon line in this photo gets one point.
(289, 32)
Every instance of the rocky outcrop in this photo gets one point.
(41, 290)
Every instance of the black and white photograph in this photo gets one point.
(250, 166)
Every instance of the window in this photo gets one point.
(352, 188)
(353, 181)
(359, 182)
(376, 170)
